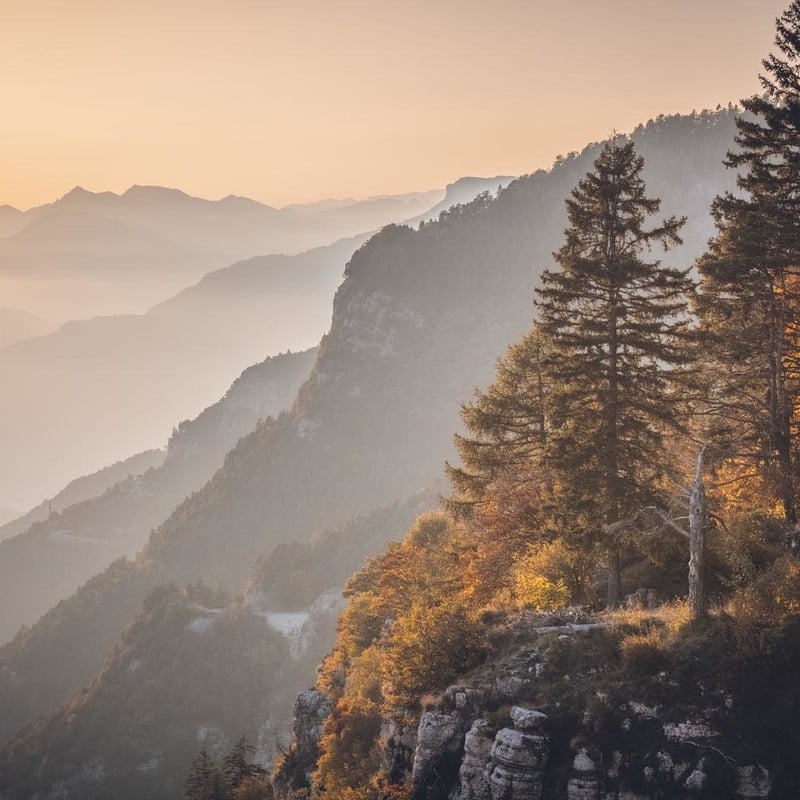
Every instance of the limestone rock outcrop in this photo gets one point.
(584, 782)
(518, 758)
(439, 733)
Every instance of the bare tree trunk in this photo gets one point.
(697, 535)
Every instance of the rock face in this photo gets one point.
(518, 757)
(507, 765)
(477, 751)
(440, 733)
(584, 783)
(468, 747)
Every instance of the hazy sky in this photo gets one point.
(297, 100)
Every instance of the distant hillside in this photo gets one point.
(157, 701)
(417, 324)
(11, 220)
(7, 515)
(129, 377)
(109, 254)
(17, 325)
(53, 557)
(83, 489)
(296, 577)
(98, 389)
(462, 191)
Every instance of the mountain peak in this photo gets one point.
(145, 191)
(79, 195)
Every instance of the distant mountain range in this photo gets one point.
(96, 390)
(7, 515)
(417, 324)
(89, 254)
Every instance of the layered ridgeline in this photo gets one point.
(84, 488)
(53, 557)
(17, 325)
(417, 324)
(91, 253)
(134, 731)
(130, 376)
(99, 388)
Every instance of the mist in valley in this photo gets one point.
(400, 404)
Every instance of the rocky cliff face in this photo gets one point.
(487, 737)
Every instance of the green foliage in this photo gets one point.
(620, 333)
(750, 292)
(239, 779)
(508, 426)
(238, 765)
(204, 781)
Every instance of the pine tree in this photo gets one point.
(618, 329)
(750, 292)
(507, 426)
(238, 764)
(200, 784)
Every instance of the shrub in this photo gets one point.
(760, 610)
(539, 593)
(429, 646)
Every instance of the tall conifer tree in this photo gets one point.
(618, 329)
(750, 292)
(507, 428)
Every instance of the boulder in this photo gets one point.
(584, 782)
(753, 782)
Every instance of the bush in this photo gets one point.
(552, 575)
(539, 593)
(760, 610)
(643, 653)
(429, 646)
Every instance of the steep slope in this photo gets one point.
(53, 557)
(167, 363)
(117, 700)
(104, 253)
(135, 731)
(418, 323)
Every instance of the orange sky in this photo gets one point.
(297, 100)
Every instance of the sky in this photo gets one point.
(296, 101)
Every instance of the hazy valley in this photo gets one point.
(358, 489)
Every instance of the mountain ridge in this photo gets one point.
(417, 324)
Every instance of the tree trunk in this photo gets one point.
(697, 535)
(614, 596)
